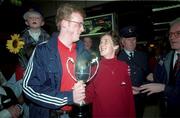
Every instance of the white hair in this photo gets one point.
(176, 21)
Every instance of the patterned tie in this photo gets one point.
(131, 56)
(177, 65)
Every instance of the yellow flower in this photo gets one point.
(15, 44)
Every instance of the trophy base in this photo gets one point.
(81, 111)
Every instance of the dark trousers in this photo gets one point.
(139, 100)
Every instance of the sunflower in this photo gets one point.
(15, 44)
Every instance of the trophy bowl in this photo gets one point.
(83, 69)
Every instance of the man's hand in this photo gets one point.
(79, 92)
(152, 88)
(135, 90)
(15, 111)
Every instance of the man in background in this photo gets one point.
(88, 43)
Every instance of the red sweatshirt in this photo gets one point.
(110, 91)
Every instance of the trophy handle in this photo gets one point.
(94, 60)
(71, 60)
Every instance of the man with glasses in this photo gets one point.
(47, 83)
(167, 75)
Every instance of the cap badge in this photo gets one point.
(130, 30)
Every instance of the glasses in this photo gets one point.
(79, 23)
(176, 34)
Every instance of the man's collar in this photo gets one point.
(128, 52)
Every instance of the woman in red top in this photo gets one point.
(110, 91)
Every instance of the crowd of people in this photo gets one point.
(44, 86)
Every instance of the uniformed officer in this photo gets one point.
(137, 62)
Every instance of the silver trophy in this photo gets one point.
(83, 71)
